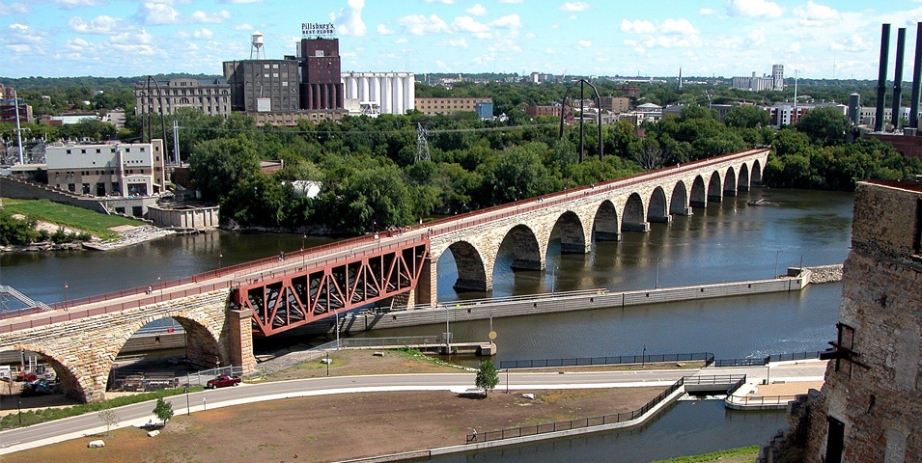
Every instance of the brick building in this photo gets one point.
(870, 408)
(449, 105)
(211, 96)
(546, 110)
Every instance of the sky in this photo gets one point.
(110, 38)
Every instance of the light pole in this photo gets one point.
(302, 248)
(777, 253)
(328, 362)
(188, 410)
(447, 331)
(337, 328)
(220, 255)
(65, 294)
(161, 286)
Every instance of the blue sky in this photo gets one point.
(821, 39)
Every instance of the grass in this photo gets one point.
(96, 223)
(742, 454)
(49, 414)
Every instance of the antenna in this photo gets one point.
(256, 46)
(422, 146)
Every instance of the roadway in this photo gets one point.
(139, 414)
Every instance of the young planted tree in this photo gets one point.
(487, 377)
(163, 411)
(109, 417)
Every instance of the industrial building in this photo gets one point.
(211, 96)
(449, 105)
(118, 169)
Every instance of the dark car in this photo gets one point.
(222, 381)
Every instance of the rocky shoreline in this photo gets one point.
(128, 238)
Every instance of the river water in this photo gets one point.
(728, 241)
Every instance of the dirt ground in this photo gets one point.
(341, 427)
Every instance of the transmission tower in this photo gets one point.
(422, 146)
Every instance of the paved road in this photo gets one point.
(138, 414)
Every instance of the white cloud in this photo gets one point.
(753, 9)
(813, 15)
(19, 27)
(401, 40)
(854, 44)
(584, 44)
(137, 42)
(756, 37)
(794, 47)
(203, 17)
(203, 33)
(14, 8)
(574, 6)
(349, 20)
(550, 51)
(637, 27)
(476, 10)
(100, 25)
(708, 12)
(383, 30)
(511, 21)
(71, 4)
(678, 26)
(157, 13)
(555, 26)
(418, 24)
(459, 42)
(78, 44)
(243, 27)
(470, 25)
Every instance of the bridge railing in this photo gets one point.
(615, 360)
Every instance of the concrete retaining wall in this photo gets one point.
(461, 311)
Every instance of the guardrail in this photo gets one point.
(524, 431)
(761, 400)
(706, 357)
(749, 362)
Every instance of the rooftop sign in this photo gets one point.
(309, 30)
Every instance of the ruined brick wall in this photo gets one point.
(874, 388)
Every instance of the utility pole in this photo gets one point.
(176, 156)
(18, 128)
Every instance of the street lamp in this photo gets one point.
(220, 255)
(777, 253)
(337, 327)
(161, 286)
(447, 331)
(65, 294)
(188, 410)
(302, 248)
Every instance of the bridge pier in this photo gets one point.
(607, 236)
(715, 198)
(642, 227)
(698, 204)
(574, 248)
(743, 188)
(663, 219)
(427, 291)
(239, 344)
(527, 264)
(730, 193)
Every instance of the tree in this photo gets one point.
(218, 166)
(747, 117)
(163, 410)
(487, 377)
(826, 126)
(109, 417)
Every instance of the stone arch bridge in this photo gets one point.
(222, 310)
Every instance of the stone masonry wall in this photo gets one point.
(875, 387)
(82, 350)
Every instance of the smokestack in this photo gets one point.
(882, 77)
(898, 77)
(916, 80)
(854, 108)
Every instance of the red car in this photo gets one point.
(222, 381)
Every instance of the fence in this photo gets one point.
(706, 357)
(156, 381)
(749, 362)
(605, 419)
(761, 400)
(380, 342)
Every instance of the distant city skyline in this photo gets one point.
(109, 38)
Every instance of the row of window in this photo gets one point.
(99, 150)
(98, 172)
(179, 92)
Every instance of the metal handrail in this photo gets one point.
(781, 399)
(616, 360)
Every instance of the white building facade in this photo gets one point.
(134, 169)
(381, 92)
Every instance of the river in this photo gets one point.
(725, 242)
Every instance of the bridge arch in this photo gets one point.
(658, 209)
(699, 196)
(742, 184)
(472, 272)
(714, 188)
(526, 251)
(76, 383)
(572, 235)
(756, 174)
(634, 215)
(730, 182)
(605, 225)
(678, 203)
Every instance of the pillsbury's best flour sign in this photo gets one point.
(311, 30)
